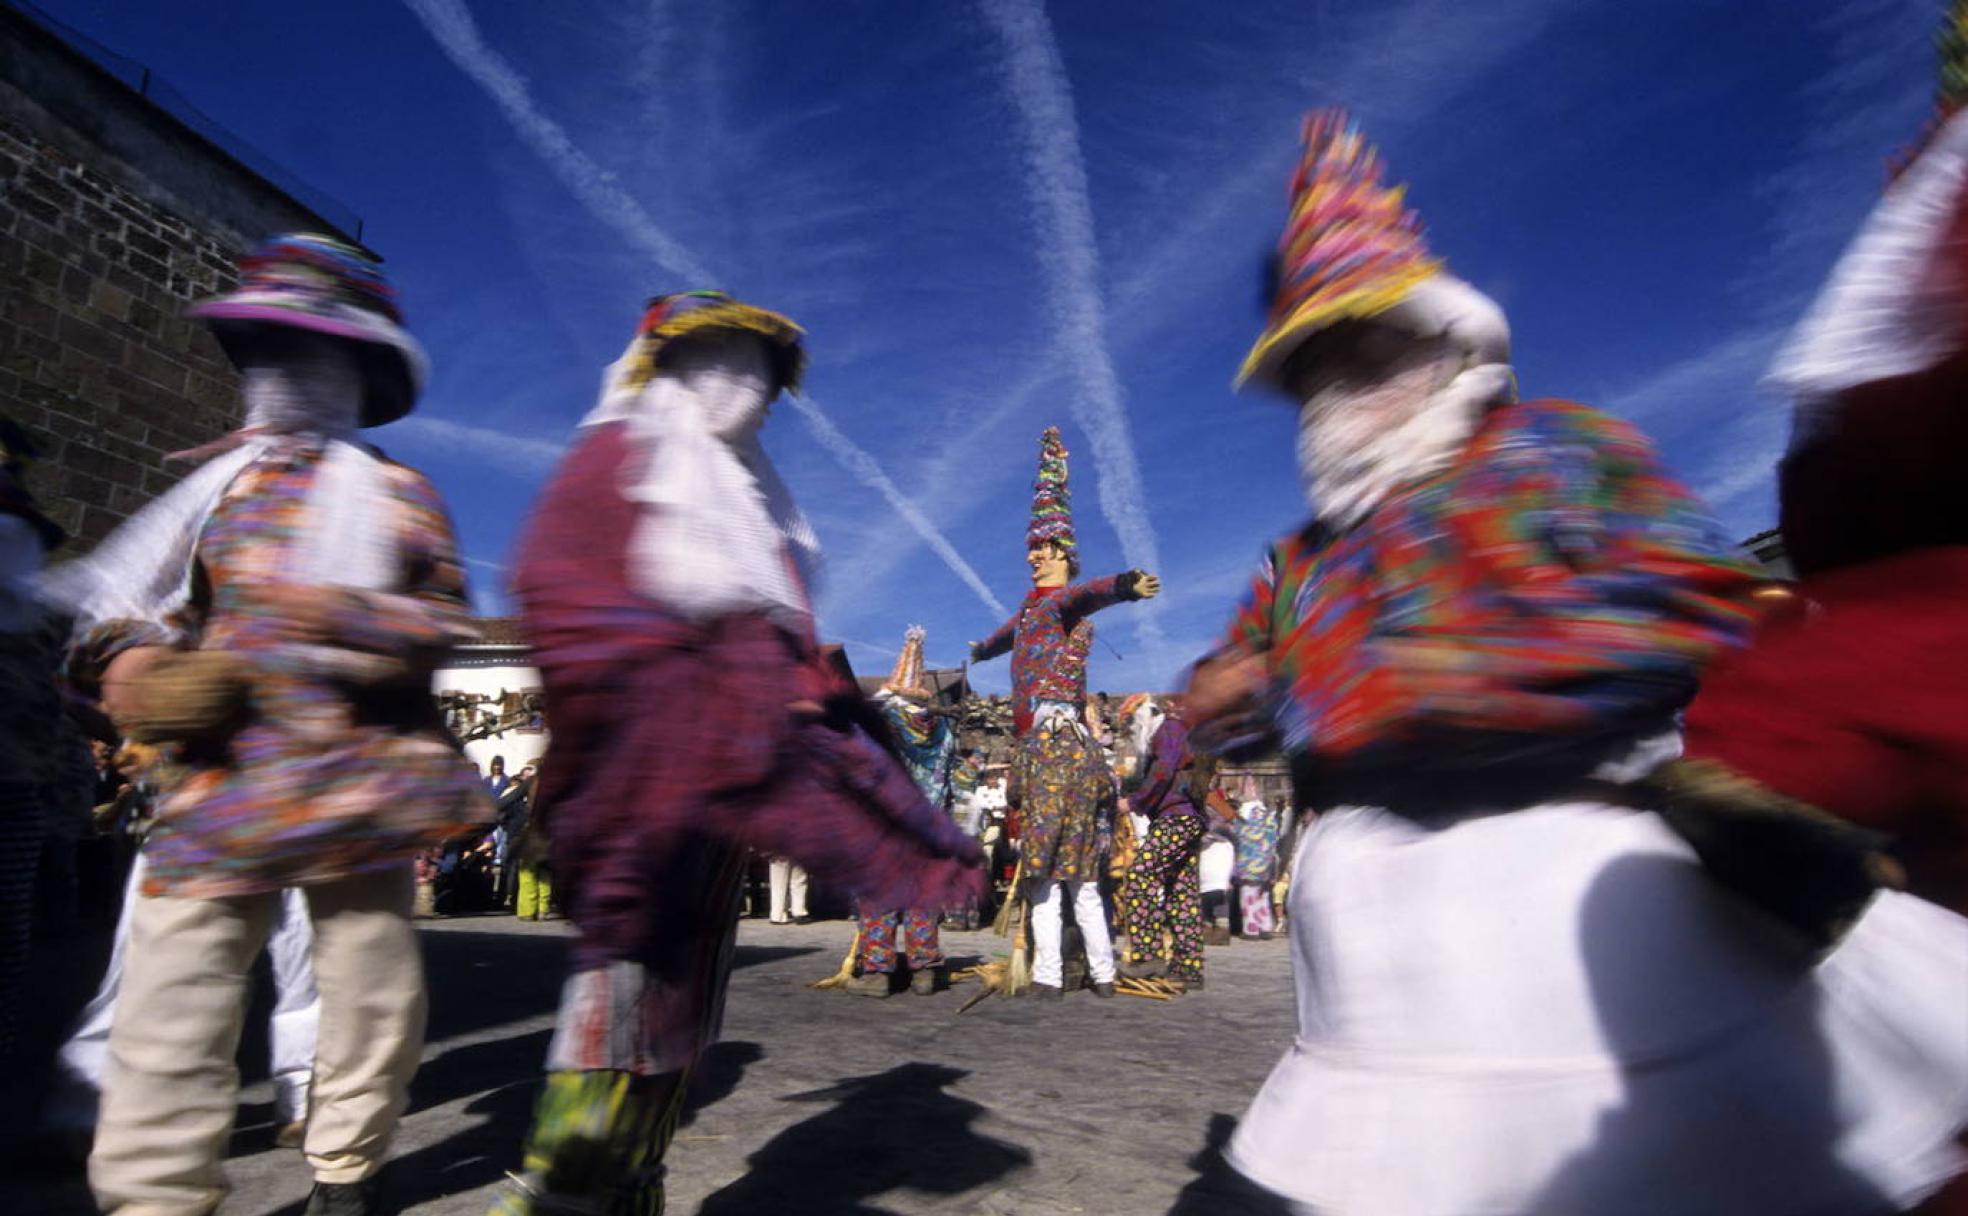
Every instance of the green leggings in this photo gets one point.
(597, 1145)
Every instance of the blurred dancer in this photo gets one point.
(1163, 895)
(1851, 699)
(275, 620)
(890, 937)
(1518, 991)
(1064, 791)
(664, 580)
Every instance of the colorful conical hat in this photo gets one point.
(1052, 498)
(906, 680)
(1350, 250)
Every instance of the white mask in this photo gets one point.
(719, 525)
(727, 382)
(1356, 443)
(308, 383)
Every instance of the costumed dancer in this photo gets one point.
(1851, 699)
(1162, 898)
(1850, 702)
(275, 620)
(1062, 790)
(927, 741)
(1518, 990)
(663, 580)
(1257, 863)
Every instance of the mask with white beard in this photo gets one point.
(1358, 442)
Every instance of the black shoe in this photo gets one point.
(1047, 992)
(1103, 989)
(343, 1199)
(802, 920)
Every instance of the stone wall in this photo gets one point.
(115, 214)
(100, 361)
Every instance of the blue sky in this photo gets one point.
(997, 215)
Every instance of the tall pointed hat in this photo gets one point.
(1352, 249)
(906, 680)
(1052, 498)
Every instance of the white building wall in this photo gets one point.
(501, 670)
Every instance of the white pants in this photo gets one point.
(170, 1089)
(290, 1035)
(1047, 967)
(787, 878)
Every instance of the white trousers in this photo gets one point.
(1048, 967)
(787, 878)
(171, 1089)
(291, 1031)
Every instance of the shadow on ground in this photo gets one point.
(899, 1129)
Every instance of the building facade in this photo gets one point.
(116, 213)
(490, 694)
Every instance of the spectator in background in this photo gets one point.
(533, 866)
(1257, 862)
(513, 810)
(788, 893)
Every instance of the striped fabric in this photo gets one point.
(1555, 580)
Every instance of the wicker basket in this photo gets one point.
(197, 695)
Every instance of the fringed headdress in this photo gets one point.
(906, 680)
(668, 318)
(1052, 499)
(1353, 250)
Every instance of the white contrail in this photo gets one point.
(451, 24)
(856, 460)
(1035, 76)
(522, 454)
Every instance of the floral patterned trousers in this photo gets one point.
(916, 928)
(1163, 893)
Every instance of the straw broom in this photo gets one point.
(842, 977)
(1004, 977)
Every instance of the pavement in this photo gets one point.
(817, 1102)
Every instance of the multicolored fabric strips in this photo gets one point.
(306, 264)
(1350, 249)
(670, 317)
(1555, 580)
(1052, 498)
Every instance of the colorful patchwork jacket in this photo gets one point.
(1554, 581)
(1050, 638)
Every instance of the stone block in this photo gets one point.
(155, 366)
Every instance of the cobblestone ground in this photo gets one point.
(820, 1102)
